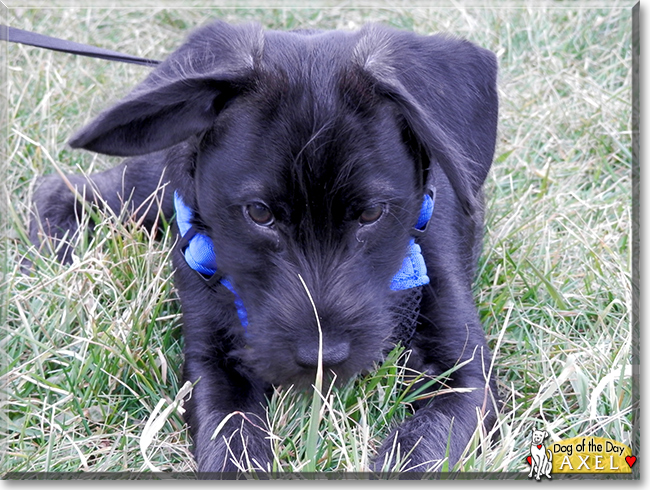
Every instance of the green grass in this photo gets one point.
(92, 351)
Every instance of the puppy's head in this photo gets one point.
(305, 157)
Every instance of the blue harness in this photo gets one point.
(199, 254)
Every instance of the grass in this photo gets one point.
(92, 351)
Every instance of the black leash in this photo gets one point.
(14, 35)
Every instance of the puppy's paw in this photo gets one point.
(421, 444)
(236, 449)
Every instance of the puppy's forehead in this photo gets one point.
(297, 135)
(254, 186)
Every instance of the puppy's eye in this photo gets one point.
(260, 214)
(371, 214)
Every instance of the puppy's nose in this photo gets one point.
(333, 353)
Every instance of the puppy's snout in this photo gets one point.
(334, 353)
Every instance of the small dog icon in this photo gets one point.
(541, 458)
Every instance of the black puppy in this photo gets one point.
(336, 172)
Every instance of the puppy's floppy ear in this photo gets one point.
(445, 89)
(181, 97)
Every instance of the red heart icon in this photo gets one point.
(630, 460)
(539, 446)
(530, 460)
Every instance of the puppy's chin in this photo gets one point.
(306, 380)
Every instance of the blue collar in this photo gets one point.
(199, 253)
(413, 272)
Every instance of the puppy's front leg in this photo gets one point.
(226, 394)
(434, 433)
(450, 338)
(226, 417)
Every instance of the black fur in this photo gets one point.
(318, 126)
